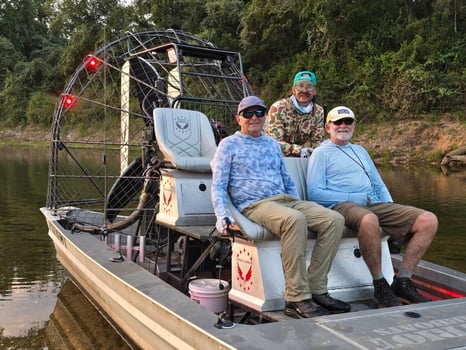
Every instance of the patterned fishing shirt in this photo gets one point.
(293, 129)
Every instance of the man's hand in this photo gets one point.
(224, 223)
(306, 152)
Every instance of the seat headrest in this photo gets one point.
(185, 138)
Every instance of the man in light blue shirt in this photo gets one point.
(249, 167)
(343, 177)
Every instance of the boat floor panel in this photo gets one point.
(435, 325)
(430, 326)
(359, 305)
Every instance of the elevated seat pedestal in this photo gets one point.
(258, 281)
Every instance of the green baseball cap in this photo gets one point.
(306, 76)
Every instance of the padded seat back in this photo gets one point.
(185, 138)
(297, 168)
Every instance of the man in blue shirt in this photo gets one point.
(249, 167)
(342, 176)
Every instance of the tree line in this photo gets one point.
(384, 59)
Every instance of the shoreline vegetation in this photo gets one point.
(407, 62)
(402, 73)
(412, 142)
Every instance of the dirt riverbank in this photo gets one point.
(413, 141)
(418, 141)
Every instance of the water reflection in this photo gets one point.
(30, 276)
(29, 273)
(430, 189)
(76, 324)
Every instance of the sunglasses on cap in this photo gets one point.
(249, 114)
(347, 121)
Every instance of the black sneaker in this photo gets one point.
(404, 289)
(383, 294)
(304, 309)
(334, 306)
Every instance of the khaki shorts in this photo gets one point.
(396, 220)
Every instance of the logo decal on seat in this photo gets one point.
(182, 124)
(167, 189)
(244, 269)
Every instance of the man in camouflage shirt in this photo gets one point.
(297, 122)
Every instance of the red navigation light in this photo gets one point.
(69, 100)
(92, 63)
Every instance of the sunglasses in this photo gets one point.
(304, 88)
(248, 114)
(347, 121)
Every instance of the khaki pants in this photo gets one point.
(290, 219)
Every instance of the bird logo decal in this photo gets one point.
(166, 200)
(244, 262)
(182, 124)
(167, 194)
(246, 277)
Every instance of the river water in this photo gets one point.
(34, 288)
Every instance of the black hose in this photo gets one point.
(120, 225)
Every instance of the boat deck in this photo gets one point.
(436, 325)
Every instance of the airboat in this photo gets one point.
(130, 215)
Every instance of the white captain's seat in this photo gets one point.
(186, 142)
(185, 138)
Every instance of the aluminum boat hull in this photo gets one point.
(154, 315)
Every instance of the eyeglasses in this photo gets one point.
(248, 114)
(303, 88)
(347, 121)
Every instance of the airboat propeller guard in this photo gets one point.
(117, 87)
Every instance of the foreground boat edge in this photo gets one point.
(149, 311)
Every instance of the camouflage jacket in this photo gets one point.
(293, 129)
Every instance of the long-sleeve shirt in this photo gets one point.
(249, 169)
(294, 129)
(347, 173)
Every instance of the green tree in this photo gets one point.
(19, 24)
(272, 32)
(8, 57)
(13, 98)
(139, 15)
(383, 58)
(221, 24)
(76, 15)
(186, 15)
(40, 108)
(87, 25)
(20, 83)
